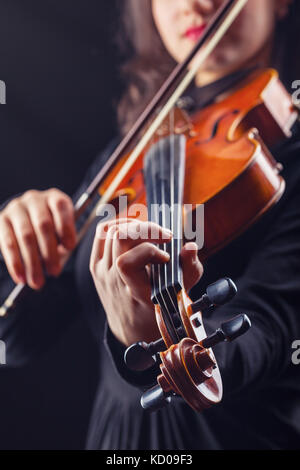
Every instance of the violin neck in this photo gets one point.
(164, 171)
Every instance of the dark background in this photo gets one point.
(58, 60)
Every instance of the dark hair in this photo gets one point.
(148, 63)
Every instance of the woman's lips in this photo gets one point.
(195, 32)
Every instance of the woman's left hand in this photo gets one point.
(119, 266)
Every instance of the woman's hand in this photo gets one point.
(119, 265)
(36, 229)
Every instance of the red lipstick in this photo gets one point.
(195, 32)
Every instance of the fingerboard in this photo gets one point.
(164, 170)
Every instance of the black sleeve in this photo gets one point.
(41, 318)
(269, 292)
(38, 319)
(116, 352)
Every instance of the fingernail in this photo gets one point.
(191, 246)
(69, 240)
(166, 232)
(22, 279)
(38, 281)
(165, 254)
(54, 269)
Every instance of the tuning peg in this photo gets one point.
(217, 294)
(141, 356)
(155, 398)
(229, 331)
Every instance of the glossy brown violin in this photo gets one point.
(218, 158)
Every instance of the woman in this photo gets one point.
(260, 406)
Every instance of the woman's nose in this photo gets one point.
(203, 7)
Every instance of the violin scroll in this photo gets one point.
(142, 356)
(189, 370)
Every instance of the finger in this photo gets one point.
(110, 240)
(137, 233)
(99, 240)
(44, 228)
(191, 266)
(131, 267)
(144, 232)
(11, 253)
(62, 210)
(130, 233)
(28, 245)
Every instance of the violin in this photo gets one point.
(218, 157)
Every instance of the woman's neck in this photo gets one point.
(262, 59)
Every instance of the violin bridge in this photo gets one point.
(178, 122)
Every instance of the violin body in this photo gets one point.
(228, 165)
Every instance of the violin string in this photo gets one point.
(166, 247)
(153, 216)
(179, 222)
(175, 209)
(156, 269)
(172, 170)
(172, 208)
(163, 268)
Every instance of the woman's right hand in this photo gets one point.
(36, 229)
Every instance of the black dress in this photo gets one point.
(261, 405)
